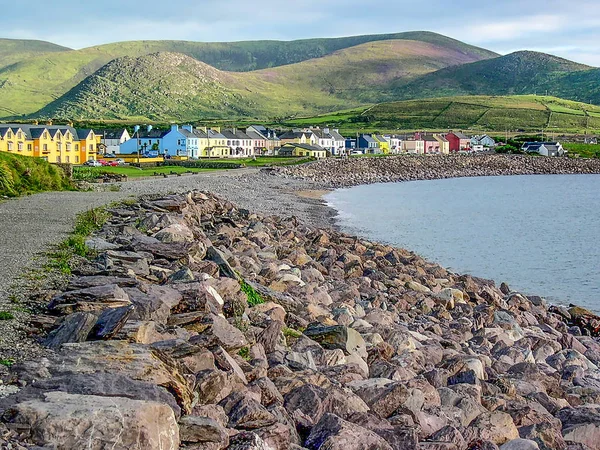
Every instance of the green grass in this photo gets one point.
(476, 113)
(86, 223)
(20, 175)
(91, 173)
(7, 362)
(583, 150)
(244, 353)
(5, 315)
(254, 298)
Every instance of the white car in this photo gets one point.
(120, 161)
(93, 163)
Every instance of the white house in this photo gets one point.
(483, 140)
(544, 148)
(112, 139)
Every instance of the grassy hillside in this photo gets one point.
(165, 86)
(24, 175)
(481, 113)
(32, 83)
(514, 74)
(15, 50)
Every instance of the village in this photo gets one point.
(66, 144)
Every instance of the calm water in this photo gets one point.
(540, 234)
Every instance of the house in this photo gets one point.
(458, 142)
(431, 144)
(216, 144)
(298, 137)
(351, 145)
(144, 141)
(304, 150)
(339, 142)
(544, 148)
(112, 139)
(324, 138)
(483, 140)
(258, 141)
(415, 146)
(368, 144)
(395, 143)
(54, 143)
(444, 144)
(383, 143)
(272, 140)
(239, 142)
(175, 141)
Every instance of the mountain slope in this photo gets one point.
(32, 83)
(352, 76)
(500, 114)
(15, 50)
(517, 73)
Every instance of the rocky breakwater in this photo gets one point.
(354, 171)
(199, 325)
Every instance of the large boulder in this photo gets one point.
(86, 421)
(581, 425)
(334, 433)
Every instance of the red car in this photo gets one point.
(108, 163)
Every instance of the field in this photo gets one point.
(87, 173)
(583, 150)
(470, 113)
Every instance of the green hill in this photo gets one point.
(33, 82)
(514, 74)
(478, 113)
(167, 86)
(15, 50)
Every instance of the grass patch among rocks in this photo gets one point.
(87, 222)
(254, 298)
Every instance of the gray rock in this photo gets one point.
(75, 328)
(334, 433)
(85, 421)
(110, 322)
(91, 299)
(332, 337)
(194, 429)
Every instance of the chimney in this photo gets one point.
(149, 128)
(326, 130)
(174, 127)
(187, 127)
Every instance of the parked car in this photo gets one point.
(120, 161)
(102, 162)
(92, 163)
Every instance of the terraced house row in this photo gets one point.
(54, 143)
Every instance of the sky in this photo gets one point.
(569, 29)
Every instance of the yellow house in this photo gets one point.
(213, 145)
(298, 137)
(55, 144)
(384, 144)
(444, 144)
(303, 150)
(14, 139)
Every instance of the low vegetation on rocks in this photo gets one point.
(21, 175)
(354, 171)
(159, 342)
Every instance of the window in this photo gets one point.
(20, 146)
(67, 158)
(9, 135)
(10, 146)
(45, 147)
(59, 146)
(76, 147)
(20, 135)
(76, 159)
(68, 147)
(91, 147)
(29, 147)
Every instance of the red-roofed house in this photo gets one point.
(458, 142)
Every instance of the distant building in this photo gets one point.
(483, 140)
(298, 137)
(293, 149)
(458, 142)
(112, 139)
(143, 141)
(368, 144)
(544, 148)
(414, 146)
(272, 141)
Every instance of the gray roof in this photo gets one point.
(337, 136)
(368, 138)
(459, 135)
(254, 135)
(199, 133)
(304, 146)
(212, 134)
(111, 134)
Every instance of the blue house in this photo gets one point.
(350, 144)
(175, 142)
(367, 143)
(149, 140)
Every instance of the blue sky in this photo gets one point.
(569, 29)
